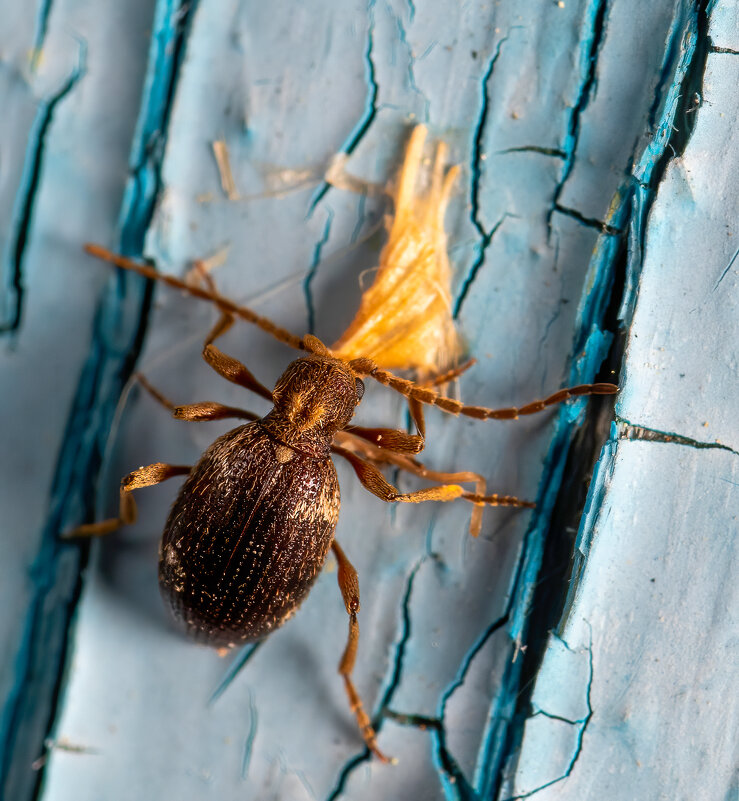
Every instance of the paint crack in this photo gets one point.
(313, 270)
(633, 431)
(589, 222)
(403, 37)
(30, 715)
(28, 192)
(589, 53)
(476, 265)
(554, 152)
(477, 158)
(580, 735)
(370, 106)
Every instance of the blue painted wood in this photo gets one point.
(550, 108)
(71, 87)
(646, 648)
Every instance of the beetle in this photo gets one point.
(254, 521)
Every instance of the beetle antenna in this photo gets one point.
(423, 394)
(223, 303)
(361, 366)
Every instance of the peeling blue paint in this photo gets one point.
(403, 38)
(476, 266)
(630, 430)
(581, 726)
(593, 339)
(476, 161)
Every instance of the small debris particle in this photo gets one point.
(220, 151)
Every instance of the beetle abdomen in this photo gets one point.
(247, 536)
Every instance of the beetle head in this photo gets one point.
(313, 399)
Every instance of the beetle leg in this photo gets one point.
(143, 477)
(426, 394)
(158, 396)
(233, 370)
(390, 439)
(404, 462)
(195, 412)
(225, 321)
(209, 410)
(349, 586)
(223, 303)
(373, 480)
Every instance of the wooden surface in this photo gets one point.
(595, 216)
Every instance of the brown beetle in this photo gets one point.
(254, 521)
(251, 526)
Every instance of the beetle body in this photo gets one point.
(251, 526)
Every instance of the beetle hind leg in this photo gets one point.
(143, 477)
(349, 586)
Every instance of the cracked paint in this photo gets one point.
(40, 662)
(250, 737)
(592, 339)
(629, 430)
(236, 666)
(726, 270)
(598, 225)
(476, 160)
(554, 152)
(28, 192)
(596, 15)
(370, 105)
(393, 680)
(628, 215)
(403, 38)
(313, 269)
(42, 24)
(476, 266)
(538, 753)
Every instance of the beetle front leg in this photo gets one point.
(143, 477)
(196, 412)
(349, 586)
(233, 370)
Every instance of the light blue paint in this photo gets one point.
(548, 145)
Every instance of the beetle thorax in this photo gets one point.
(313, 399)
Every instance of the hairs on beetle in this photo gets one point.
(253, 523)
